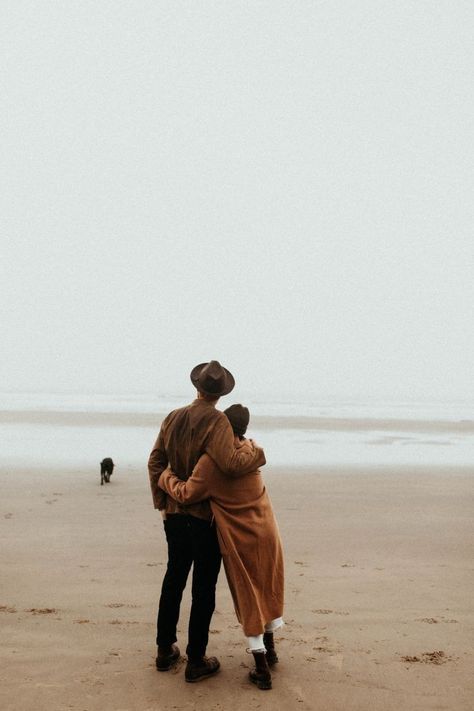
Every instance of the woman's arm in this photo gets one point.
(185, 492)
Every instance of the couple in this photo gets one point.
(205, 480)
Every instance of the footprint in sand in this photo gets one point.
(8, 515)
(42, 610)
(330, 612)
(322, 612)
(7, 608)
(437, 658)
(434, 621)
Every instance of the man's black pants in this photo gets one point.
(191, 541)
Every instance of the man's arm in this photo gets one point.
(157, 462)
(185, 492)
(229, 458)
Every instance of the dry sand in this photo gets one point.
(379, 569)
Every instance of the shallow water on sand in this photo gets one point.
(27, 444)
(68, 430)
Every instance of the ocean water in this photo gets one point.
(67, 445)
(352, 409)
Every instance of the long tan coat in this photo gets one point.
(248, 538)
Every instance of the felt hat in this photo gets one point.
(212, 379)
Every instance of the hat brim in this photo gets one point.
(228, 386)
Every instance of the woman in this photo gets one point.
(249, 542)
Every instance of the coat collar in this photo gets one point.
(203, 403)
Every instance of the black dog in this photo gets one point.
(106, 469)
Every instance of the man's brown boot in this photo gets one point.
(261, 675)
(272, 656)
(197, 669)
(167, 657)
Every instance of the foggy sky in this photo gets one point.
(284, 186)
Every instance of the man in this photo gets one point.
(185, 435)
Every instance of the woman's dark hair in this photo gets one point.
(239, 417)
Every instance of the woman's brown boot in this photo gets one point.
(272, 656)
(261, 675)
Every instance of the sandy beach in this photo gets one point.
(379, 613)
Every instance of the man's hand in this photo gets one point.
(249, 443)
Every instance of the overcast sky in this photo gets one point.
(283, 186)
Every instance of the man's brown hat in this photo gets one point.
(239, 417)
(212, 379)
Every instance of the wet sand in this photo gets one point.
(260, 422)
(379, 580)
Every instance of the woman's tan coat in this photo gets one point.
(248, 538)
